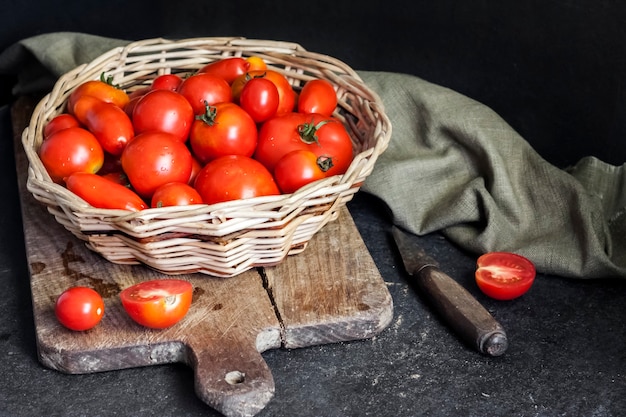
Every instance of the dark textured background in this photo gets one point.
(553, 69)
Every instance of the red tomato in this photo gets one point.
(98, 89)
(71, 150)
(163, 111)
(79, 308)
(317, 96)
(109, 123)
(259, 98)
(226, 68)
(60, 122)
(299, 168)
(225, 129)
(324, 136)
(504, 275)
(166, 82)
(234, 177)
(159, 303)
(175, 194)
(152, 159)
(104, 193)
(205, 89)
(286, 94)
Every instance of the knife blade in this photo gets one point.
(456, 306)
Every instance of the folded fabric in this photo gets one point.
(452, 166)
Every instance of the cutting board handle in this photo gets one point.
(233, 378)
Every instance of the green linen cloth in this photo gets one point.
(452, 165)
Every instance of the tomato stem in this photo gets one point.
(108, 80)
(308, 131)
(324, 163)
(209, 114)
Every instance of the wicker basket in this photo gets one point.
(221, 239)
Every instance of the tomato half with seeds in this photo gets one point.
(504, 275)
(158, 303)
(79, 308)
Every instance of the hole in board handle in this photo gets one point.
(235, 377)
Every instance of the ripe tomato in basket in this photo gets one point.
(175, 194)
(108, 122)
(317, 96)
(158, 303)
(163, 111)
(60, 122)
(259, 97)
(286, 93)
(324, 136)
(227, 68)
(299, 168)
(100, 89)
(224, 129)
(234, 177)
(70, 150)
(152, 159)
(205, 89)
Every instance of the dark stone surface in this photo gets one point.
(566, 354)
(553, 70)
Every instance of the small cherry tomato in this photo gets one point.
(163, 111)
(60, 122)
(259, 97)
(79, 308)
(317, 96)
(104, 193)
(299, 168)
(234, 177)
(226, 68)
(166, 82)
(286, 94)
(152, 159)
(205, 89)
(158, 303)
(100, 89)
(175, 194)
(504, 275)
(224, 129)
(70, 150)
(256, 63)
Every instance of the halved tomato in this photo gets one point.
(504, 275)
(157, 303)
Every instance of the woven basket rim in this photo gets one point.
(234, 45)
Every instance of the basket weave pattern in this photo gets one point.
(222, 239)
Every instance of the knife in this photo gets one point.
(456, 306)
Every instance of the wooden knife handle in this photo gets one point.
(462, 312)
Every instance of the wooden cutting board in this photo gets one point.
(329, 293)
